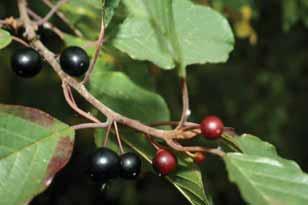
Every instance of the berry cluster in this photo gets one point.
(27, 62)
(106, 164)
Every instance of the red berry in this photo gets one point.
(199, 158)
(164, 162)
(212, 127)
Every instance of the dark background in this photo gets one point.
(262, 90)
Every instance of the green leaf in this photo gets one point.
(166, 36)
(109, 10)
(33, 148)
(120, 93)
(265, 178)
(5, 38)
(187, 179)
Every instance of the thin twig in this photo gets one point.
(53, 10)
(46, 25)
(153, 143)
(91, 125)
(71, 102)
(177, 146)
(64, 19)
(118, 137)
(172, 123)
(97, 51)
(19, 40)
(185, 101)
(107, 134)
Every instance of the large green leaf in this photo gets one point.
(174, 32)
(119, 92)
(263, 177)
(5, 38)
(33, 148)
(187, 178)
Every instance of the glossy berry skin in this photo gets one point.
(199, 157)
(104, 165)
(164, 162)
(26, 62)
(130, 165)
(212, 127)
(74, 61)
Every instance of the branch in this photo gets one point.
(30, 29)
(80, 88)
(97, 51)
(19, 40)
(53, 10)
(118, 137)
(189, 130)
(185, 101)
(71, 102)
(177, 146)
(91, 125)
(64, 19)
(46, 24)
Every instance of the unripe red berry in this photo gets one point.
(199, 157)
(212, 127)
(164, 162)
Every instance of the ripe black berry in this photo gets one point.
(104, 165)
(26, 62)
(164, 162)
(130, 165)
(74, 61)
(212, 127)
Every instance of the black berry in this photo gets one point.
(104, 165)
(130, 165)
(26, 62)
(74, 61)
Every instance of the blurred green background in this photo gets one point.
(261, 90)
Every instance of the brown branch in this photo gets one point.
(177, 146)
(90, 125)
(97, 51)
(53, 10)
(107, 134)
(118, 137)
(29, 27)
(185, 101)
(68, 82)
(21, 41)
(46, 25)
(71, 102)
(64, 19)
